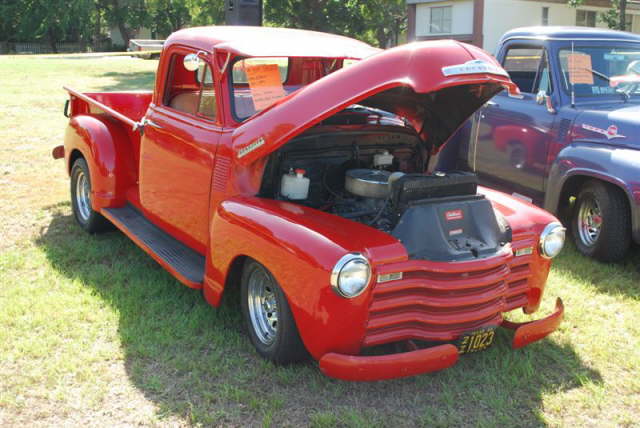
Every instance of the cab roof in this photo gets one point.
(269, 42)
(569, 33)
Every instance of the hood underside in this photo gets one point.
(435, 85)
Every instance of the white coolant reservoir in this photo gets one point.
(382, 159)
(295, 185)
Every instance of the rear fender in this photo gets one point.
(610, 164)
(299, 246)
(106, 147)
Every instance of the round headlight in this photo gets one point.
(552, 240)
(351, 275)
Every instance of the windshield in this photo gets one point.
(257, 83)
(601, 70)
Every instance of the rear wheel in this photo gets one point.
(601, 224)
(268, 317)
(90, 220)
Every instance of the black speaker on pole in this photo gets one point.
(243, 12)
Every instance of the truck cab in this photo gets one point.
(262, 161)
(569, 141)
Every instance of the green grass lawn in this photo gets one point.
(93, 332)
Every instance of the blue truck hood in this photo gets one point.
(612, 123)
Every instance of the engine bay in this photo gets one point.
(373, 174)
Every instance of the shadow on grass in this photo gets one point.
(611, 278)
(132, 81)
(194, 361)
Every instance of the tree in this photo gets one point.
(385, 20)
(375, 21)
(126, 15)
(206, 12)
(336, 16)
(615, 17)
(50, 20)
(168, 16)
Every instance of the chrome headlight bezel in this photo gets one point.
(551, 231)
(346, 260)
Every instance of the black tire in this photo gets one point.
(90, 220)
(283, 346)
(613, 239)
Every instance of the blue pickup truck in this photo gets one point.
(571, 141)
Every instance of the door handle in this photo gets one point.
(492, 104)
(152, 123)
(139, 126)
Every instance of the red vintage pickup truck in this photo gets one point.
(295, 165)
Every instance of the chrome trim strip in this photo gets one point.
(568, 39)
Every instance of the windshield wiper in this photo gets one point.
(597, 73)
(626, 95)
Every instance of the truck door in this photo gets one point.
(178, 148)
(512, 135)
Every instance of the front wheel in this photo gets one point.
(90, 220)
(601, 223)
(271, 326)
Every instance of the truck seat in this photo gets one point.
(187, 102)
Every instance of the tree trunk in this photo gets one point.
(623, 14)
(119, 18)
(98, 33)
(124, 33)
(52, 40)
(382, 37)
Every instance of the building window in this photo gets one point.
(440, 20)
(545, 16)
(586, 18)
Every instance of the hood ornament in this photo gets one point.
(611, 132)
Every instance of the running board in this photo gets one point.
(184, 263)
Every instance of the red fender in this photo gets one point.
(106, 147)
(300, 246)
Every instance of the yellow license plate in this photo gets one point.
(476, 341)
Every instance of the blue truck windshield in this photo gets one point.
(601, 70)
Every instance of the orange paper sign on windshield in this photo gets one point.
(580, 68)
(266, 86)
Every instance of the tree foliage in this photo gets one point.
(613, 17)
(384, 20)
(49, 20)
(376, 21)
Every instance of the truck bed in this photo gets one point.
(127, 107)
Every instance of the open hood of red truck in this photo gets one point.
(435, 85)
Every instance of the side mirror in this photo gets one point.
(191, 62)
(543, 98)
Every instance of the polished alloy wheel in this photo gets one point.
(83, 196)
(263, 307)
(589, 221)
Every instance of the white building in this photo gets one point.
(483, 22)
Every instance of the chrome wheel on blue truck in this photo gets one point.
(601, 223)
